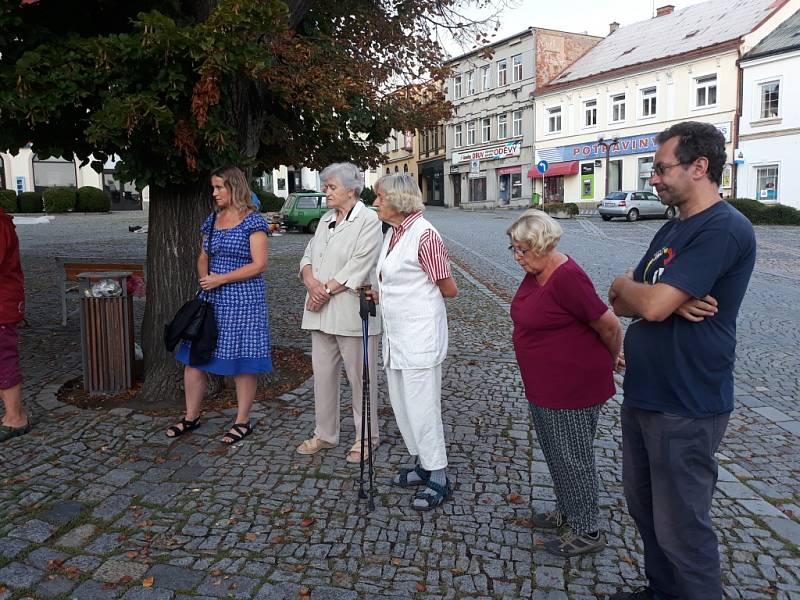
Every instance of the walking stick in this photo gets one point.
(366, 308)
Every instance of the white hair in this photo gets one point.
(347, 174)
(536, 228)
(401, 192)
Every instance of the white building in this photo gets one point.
(489, 139)
(596, 121)
(769, 131)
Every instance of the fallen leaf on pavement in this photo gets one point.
(251, 537)
(306, 522)
(148, 582)
(514, 499)
(421, 587)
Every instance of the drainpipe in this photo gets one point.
(735, 124)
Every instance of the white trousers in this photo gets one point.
(328, 354)
(416, 397)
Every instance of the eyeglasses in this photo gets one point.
(518, 251)
(660, 168)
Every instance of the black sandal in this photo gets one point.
(433, 500)
(181, 427)
(237, 433)
(404, 473)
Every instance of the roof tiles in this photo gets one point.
(692, 28)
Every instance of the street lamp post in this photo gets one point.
(607, 146)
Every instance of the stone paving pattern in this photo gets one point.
(99, 504)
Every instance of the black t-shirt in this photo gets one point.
(677, 366)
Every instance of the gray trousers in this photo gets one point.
(566, 437)
(669, 473)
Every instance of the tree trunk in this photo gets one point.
(173, 243)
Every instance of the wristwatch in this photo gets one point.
(328, 291)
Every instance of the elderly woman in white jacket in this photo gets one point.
(414, 278)
(338, 260)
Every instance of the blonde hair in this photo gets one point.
(538, 229)
(236, 183)
(401, 193)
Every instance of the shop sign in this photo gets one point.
(476, 176)
(635, 144)
(494, 153)
(509, 170)
(724, 129)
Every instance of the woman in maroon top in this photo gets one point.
(567, 344)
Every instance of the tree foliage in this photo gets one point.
(178, 87)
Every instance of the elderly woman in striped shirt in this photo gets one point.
(413, 280)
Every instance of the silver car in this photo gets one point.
(633, 206)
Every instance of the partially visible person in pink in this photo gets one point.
(12, 297)
(567, 344)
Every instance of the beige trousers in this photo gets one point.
(328, 353)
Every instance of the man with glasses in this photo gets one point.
(683, 297)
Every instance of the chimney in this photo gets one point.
(612, 27)
(665, 10)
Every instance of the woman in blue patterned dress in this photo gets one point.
(232, 281)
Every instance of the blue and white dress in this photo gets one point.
(240, 308)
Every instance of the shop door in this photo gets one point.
(456, 190)
(553, 189)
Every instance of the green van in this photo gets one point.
(303, 210)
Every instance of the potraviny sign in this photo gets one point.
(493, 153)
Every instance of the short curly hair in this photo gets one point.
(401, 192)
(350, 177)
(698, 140)
(538, 229)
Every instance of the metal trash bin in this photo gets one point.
(107, 350)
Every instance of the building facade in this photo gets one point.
(489, 139)
(595, 125)
(769, 132)
(26, 171)
(400, 154)
(430, 162)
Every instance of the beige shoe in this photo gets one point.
(313, 446)
(354, 454)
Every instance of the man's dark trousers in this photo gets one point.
(669, 473)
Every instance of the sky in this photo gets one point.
(579, 16)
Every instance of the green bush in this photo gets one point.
(368, 196)
(8, 200)
(30, 202)
(92, 199)
(570, 208)
(269, 201)
(766, 214)
(59, 199)
(780, 214)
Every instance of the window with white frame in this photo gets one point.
(396, 139)
(769, 93)
(471, 133)
(502, 126)
(516, 68)
(471, 82)
(554, 119)
(459, 136)
(649, 102)
(457, 87)
(617, 108)
(590, 113)
(705, 91)
(767, 183)
(516, 120)
(486, 129)
(53, 171)
(502, 69)
(486, 78)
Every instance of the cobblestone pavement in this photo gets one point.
(100, 504)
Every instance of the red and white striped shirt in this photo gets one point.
(432, 254)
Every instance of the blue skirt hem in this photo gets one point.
(228, 366)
